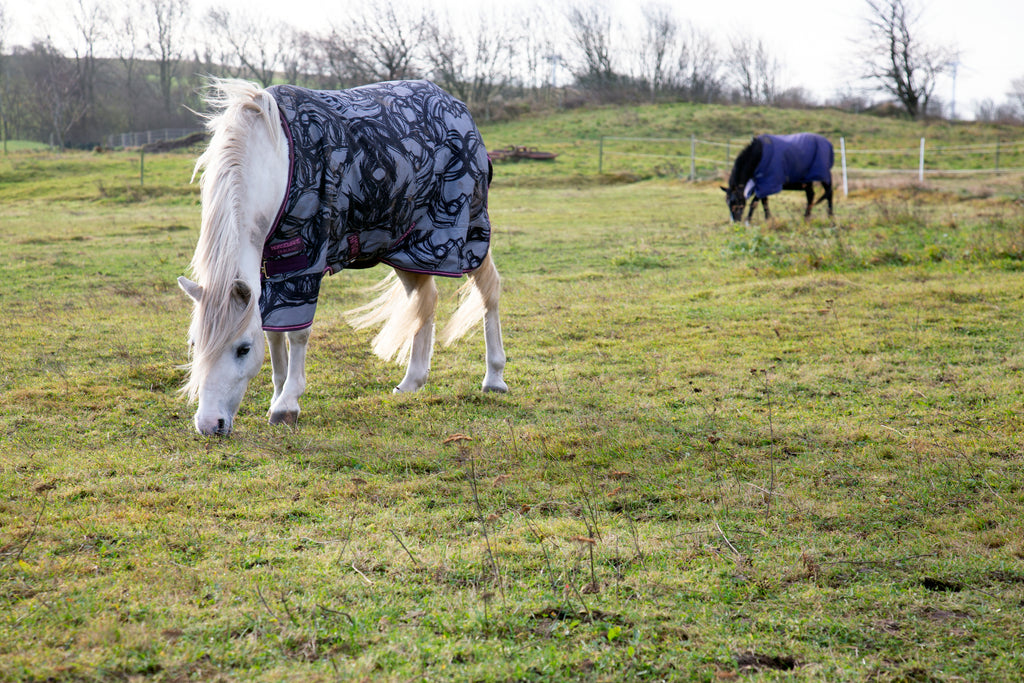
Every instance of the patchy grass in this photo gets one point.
(785, 450)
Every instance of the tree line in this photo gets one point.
(130, 65)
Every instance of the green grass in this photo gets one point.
(773, 451)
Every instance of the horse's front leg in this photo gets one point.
(809, 190)
(288, 362)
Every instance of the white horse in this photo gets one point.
(249, 175)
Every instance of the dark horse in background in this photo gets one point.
(772, 163)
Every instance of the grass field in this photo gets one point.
(729, 452)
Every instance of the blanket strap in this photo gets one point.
(284, 257)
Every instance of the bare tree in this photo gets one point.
(1015, 95)
(536, 57)
(388, 36)
(659, 43)
(127, 45)
(896, 60)
(700, 66)
(91, 20)
(298, 59)
(259, 45)
(56, 97)
(340, 60)
(164, 32)
(591, 35)
(755, 71)
(473, 65)
(5, 27)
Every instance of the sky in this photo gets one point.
(816, 41)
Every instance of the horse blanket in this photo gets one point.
(799, 158)
(391, 173)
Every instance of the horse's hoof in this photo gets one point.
(284, 417)
(496, 388)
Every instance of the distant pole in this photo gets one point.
(842, 155)
(920, 164)
(693, 158)
(142, 167)
(997, 156)
(600, 157)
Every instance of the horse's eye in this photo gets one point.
(243, 351)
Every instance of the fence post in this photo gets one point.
(920, 164)
(600, 156)
(842, 155)
(693, 158)
(997, 156)
(142, 167)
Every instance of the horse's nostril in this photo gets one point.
(220, 425)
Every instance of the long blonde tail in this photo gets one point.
(404, 305)
(479, 294)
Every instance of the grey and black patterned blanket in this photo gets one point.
(392, 173)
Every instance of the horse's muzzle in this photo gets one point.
(213, 427)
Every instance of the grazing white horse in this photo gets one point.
(297, 184)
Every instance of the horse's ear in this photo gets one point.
(725, 189)
(194, 291)
(241, 292)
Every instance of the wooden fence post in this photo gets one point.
(920, 164)
(693, 158)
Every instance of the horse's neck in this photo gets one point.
(264, 185)
(746, 164)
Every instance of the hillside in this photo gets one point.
(575, 135)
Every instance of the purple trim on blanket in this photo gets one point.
(404, 235)
(291, 328)
(425, 272)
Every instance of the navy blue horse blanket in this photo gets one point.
(785, 159)
(393, 173)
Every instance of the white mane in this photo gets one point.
(238, 108)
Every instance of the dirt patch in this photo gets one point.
(755, 661)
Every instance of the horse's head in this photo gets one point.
(227, 350)
(735, 199)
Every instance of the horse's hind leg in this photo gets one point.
(480, 297)
(421, 294)
(487, 282)
(809, 190)
(288, 363)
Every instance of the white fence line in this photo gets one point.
(996, 148)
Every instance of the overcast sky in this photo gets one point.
(815, 40)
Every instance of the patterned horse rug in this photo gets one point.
(392, 173)
(786, 159)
